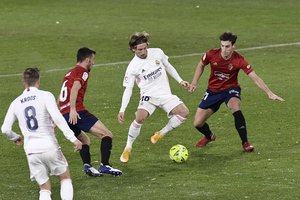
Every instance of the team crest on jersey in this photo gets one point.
(230, 66)
(85, 75)
(157, 62)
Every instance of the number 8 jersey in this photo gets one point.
(35, 109)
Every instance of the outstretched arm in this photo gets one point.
(261, 84)
(198, 72)
(173, 72)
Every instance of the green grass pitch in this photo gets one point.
(47, 34)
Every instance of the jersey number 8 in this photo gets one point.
(31, 121)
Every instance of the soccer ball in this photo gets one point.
(178, 153)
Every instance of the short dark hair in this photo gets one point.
(138, 38)
(84, 53)
(31, 75)
(228, 36)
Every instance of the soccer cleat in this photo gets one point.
(248, 147)
(156, 137)
(91, 171)
(204, 141)
(109, 170)
(125, 155)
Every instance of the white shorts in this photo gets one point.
(167, 103)
(41, 163)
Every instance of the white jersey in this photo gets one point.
(150, 73)
(35, 109)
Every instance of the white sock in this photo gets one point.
(133, 133)
(174, 122)
(66, 189)
(45, 195)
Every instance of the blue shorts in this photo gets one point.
(213, 100)
(86, 122)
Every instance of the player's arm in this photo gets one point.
(60, 121)
(198, 72)
(173, 72)
(6, 128)
(261, 84)
(125, 100)
(73, 97)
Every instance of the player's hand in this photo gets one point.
(121, 117)
(192, 88)
(77, 145)
(275, 97)
(73, 117)
(19, 141)
(185, 84)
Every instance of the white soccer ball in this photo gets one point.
(178, 153)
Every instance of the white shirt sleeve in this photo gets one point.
(57, 117)
(126, 98)
(9, 120)
(170, 69)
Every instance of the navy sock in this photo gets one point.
(106, 146)
(240, 125)
(205, 130)
(85, 154)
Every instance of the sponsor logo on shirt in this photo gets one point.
(221, 76)
(153, 75)
(85, 75)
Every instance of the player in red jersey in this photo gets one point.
(223, 86)
(79, 119)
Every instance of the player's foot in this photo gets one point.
(109, 170)
(156, 137)
(91, 171)
(125, 155)
(248, 147)
(204, 141)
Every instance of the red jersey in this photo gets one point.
(80, 74)
(224, 73)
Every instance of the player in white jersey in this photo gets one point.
(149, 69)
(36, 110)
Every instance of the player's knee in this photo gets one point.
(84, 139)
(198, 124)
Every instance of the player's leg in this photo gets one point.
(66, 186)
(177, 115)
(177, 112)
(39, 172)
(85, 140)
(200, 124)
(133, 132)
(234, 104)
(105, 135)
(45, 191)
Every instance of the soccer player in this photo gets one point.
(80, 120)
(223, 86)
(34, 110)
(149, 69)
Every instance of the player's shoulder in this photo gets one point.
(155, 51)
(45, 94)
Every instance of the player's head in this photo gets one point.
(228, 40)
(31, 77)
(138, 43)
(86, 57)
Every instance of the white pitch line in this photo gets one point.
(179, 56)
